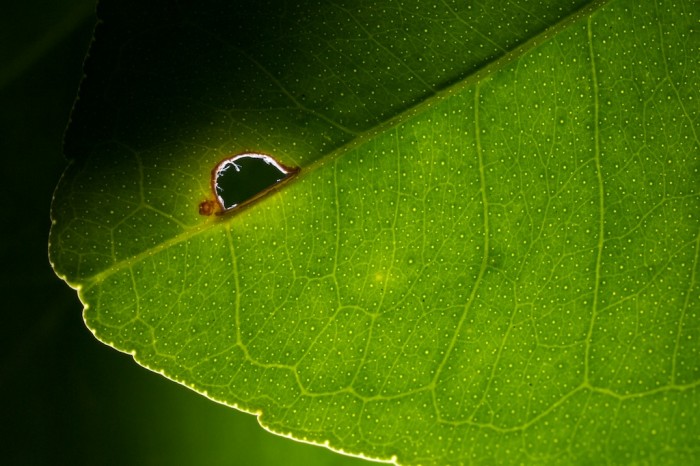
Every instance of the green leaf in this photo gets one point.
(490, 254)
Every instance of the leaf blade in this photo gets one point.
(453, 292)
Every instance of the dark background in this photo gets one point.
(66, 398)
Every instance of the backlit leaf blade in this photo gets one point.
(501, 271)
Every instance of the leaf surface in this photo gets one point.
(490, 254)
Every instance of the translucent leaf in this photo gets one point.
(490, 254)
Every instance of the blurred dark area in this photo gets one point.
(67, 398)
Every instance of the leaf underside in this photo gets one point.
(490, 255)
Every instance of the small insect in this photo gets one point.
(242, 179)
(207, 207)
